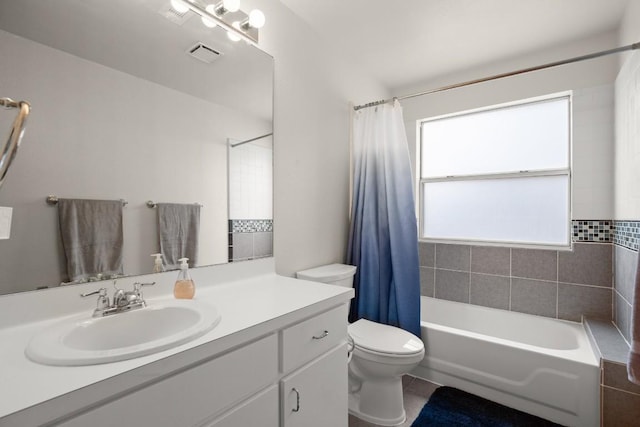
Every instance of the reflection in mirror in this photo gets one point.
(250, 198)
(124, 114)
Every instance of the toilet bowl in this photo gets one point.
(381, 355)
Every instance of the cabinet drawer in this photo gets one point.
(312, 337)
(259, 411)
(191, 396)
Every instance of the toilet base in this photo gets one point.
(378, 402)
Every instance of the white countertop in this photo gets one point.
(250, 307)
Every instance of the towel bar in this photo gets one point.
(53, 200)
(151, 204)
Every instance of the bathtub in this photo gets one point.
(542, 366)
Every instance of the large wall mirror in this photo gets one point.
(121, 110)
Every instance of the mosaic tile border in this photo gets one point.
(250, 225)
(601, 231)
(627, 234)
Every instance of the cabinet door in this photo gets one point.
(316, 394)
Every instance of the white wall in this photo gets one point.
(593, 121)
(313, 87)
(627, 145)
(137, 141)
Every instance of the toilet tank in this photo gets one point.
(333, 274)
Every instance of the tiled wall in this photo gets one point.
(620, 398)
(250, 239)
(558, 284)
(625, 261)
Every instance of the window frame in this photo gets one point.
(568, 172)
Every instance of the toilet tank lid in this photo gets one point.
(384, 338)
(327, 273)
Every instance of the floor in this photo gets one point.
(416, 393)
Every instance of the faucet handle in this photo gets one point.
(137, 287)
(103, 301)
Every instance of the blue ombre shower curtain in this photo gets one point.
(383, 238)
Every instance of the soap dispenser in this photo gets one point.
(184, 287)
(158, 267)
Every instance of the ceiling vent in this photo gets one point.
(204, 53)
(173, 15)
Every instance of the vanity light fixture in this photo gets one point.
(226, 14)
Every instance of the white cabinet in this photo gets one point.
(316, 394)
(295, 376)
(190, 397)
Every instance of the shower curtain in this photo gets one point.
(383, 238)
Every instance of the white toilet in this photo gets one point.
(381, 355)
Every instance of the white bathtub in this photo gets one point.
(542, 366)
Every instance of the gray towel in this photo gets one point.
(91, 232)
(178, 230)
(633, 365)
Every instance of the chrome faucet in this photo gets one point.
(122, 300)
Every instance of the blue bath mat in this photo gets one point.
(450, 407)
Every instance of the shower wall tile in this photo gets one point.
(503, 277)
(592, 230)
(452, 285)
(262, 244)
(622, 319)
(453, 257)
(627, 234)
(588, 263)
(490, 291)
(491, 260)
(534, 264)
(427, 281)
(427, 253)
(615, 375)
(242, 246)
(625, 271)
(534, 297)
(575, 301)
(619, 408)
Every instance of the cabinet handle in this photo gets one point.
(297, 408)
(319, 337)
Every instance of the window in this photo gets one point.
(498, 175)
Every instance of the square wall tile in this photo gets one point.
(491, 260)
(574, 301)
(242, 246)
(622, 316)
(534, 264)
(263, 244)
(615, 375)
(490, 291)
(427, 281)
(427, 254)
(588, 264)
(625, 271)
(453, 257)
(619, 408)
(534, 297)
(452, 285)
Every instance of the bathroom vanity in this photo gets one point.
(278, 357)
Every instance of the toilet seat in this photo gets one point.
(385, 340)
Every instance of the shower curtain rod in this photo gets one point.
(503, 75)
(246, 141)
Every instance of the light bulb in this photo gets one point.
(178, 6)
(256, 18)
(231, 5)
(208, 22)
(232, 36)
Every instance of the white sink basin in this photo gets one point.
(82, 340)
